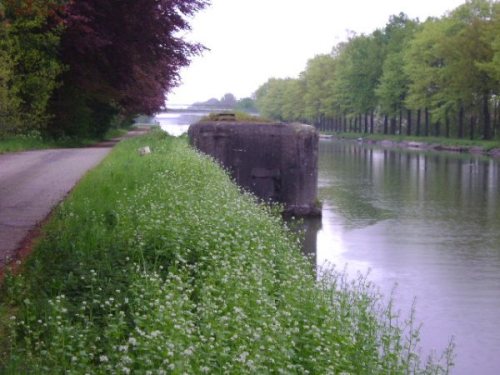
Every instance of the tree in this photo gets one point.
(228, 101)
(444, 63)
(393, 87)
(246, 105)
(121, 57)
(318, 83)
(280, 99)
(359, 69)
(69, 67)
(294, 105)
(29, 63)
(468, 48)
(424, 65)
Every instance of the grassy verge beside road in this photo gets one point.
(159, 264)
(34, 141)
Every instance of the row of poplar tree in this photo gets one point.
(74, 67)
(440, 77)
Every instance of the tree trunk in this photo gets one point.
(408, 119)
(486, 117)
(496, 121)
(461, 121)
(385, 124)
(419, 115)
(471, 128)
(350, 125)
(438, 128)
(426, 129)
(366, 122)
(393, 125)
(447, 124)
(400, 121)
(372, 120)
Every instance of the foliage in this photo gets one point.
(359, 71)
(228, 102)
(444, 71)
(122, 58)
(70, 67)
(393, 86)
(29, 66)
(317, 97)
(158, 264)
(246, 105)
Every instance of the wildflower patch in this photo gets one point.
(160, 265)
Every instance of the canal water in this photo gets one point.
(427, 223)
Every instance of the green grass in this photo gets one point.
(34, 141)
(14, 143)
(487, 145)
(160, 265)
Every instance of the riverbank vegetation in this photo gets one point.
(159, 264)
(440, 77)
(476, 144)
(73, 69)
(35, 141)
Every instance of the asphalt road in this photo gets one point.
(31, 184)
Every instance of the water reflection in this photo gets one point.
(428, 222)
(308, 231)
(177, 124)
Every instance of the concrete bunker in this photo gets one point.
(277, 162)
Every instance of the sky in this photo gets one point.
(250, 41)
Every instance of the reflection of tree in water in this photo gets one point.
(308, 229)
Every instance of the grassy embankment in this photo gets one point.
(452, 142)
(34, 141)
(158, 264)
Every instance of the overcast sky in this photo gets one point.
(251, 41)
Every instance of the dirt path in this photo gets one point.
(32, 183)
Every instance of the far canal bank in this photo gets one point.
(478, 147)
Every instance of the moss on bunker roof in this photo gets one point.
(235, 117)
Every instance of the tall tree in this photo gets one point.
(358, 73)
(444, 61)
(318, 81)
(423, 65)
(29, 62)
(467, 48)
(121, 57)
(394, 82)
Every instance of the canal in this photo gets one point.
(427, 223)
(426, 227)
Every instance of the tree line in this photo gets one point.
(73, 68)
(229, 101)
(440, 77)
